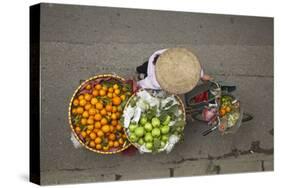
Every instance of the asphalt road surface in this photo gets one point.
(78, 42)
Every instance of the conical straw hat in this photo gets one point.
(177, 70)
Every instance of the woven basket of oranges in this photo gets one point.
(95, 110)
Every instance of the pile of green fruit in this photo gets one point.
(151, 133)
(154, 123)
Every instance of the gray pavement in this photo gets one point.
(78, 42)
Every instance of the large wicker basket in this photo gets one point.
(178, 99)
(126, 143)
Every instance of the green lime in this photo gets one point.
(148, 145)
(133, 137)
(165, 129)
(156, 132)
(155, 122)
(148, 127)
(139, 131)
(148, 137)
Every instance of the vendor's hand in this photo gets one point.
(133, 83)
(206, 77)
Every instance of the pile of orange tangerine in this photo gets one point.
(95, 114)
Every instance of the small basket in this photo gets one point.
(126, 143)
(238, 123)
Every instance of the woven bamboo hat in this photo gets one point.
(177, 70)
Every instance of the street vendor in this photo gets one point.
(176, 70)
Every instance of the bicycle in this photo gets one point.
(203, 104)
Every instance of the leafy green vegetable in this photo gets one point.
(110, 83)
(104, 141)
(168, 104)
(178, 127)
(118, 134)
(127, 87)
(87, 141)
(133, 102)
(156, 145)
(121, 120)
(151, 113)
(173, 109)
(123, 104)
(169, 112)
(104, 100)
(83, 127)
(167, 120)
(163, 116)
(76, 119)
